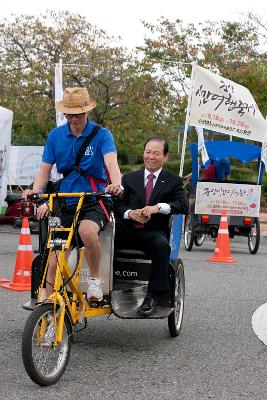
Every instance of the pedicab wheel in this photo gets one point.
(254, 237)
(189, 232)
(43, 362)
(199, 239)
(176, 318)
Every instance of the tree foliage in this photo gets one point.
(129, 101)
(138, 94)
(235, 50)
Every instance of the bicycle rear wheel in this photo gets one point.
(254, 237)
(176, 318)
(199, 239)
(43, 362)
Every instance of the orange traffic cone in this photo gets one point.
(222, 248)
(3, 280)
(23, 266)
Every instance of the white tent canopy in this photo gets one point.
(6, 118)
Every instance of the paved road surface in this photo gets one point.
(217, 356)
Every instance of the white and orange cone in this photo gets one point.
(2, 280)
(23, 267)
(222, 251)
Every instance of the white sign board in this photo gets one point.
(6, 117)
(237, 199)
(218, 104)
(24, 164)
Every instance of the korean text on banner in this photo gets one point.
(6, 118)
(224, 106)
(237, 199)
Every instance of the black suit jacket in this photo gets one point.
(168, 189)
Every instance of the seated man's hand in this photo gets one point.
(147, 211)
(136, 215)
(116, 190)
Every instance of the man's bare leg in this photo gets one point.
(89, 233)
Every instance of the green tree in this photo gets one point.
(236, 50)
(130, 101)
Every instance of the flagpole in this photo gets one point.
(60, 118)
(186, 121)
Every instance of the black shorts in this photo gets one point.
(91, 212)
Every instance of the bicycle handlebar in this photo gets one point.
(42, 196)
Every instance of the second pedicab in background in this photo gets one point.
(240, 198)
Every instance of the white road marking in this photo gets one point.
(259, 323)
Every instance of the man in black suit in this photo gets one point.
(142, 216)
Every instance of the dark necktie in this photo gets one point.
(148, 190)
(149, 187)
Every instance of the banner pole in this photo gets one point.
(186, 121)
(60, 118)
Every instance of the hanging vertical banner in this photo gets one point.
(264, 151)
(60, 118)
(224, 106)
(6, 118)
(201, 145)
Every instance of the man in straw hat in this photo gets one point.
(97, 161)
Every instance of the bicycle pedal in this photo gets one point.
(94, 303)
(80, 325)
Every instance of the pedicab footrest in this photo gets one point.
(125, 304)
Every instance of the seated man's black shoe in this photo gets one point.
(148, 306)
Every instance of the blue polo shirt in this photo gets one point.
(61, 148)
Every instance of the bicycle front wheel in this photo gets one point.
(44, 362)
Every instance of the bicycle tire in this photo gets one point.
(189, 232)
(199, 239)
(176, 318)
(253, 247)
(36, 365)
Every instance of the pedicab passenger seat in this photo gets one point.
(132, 265)
(131, 271)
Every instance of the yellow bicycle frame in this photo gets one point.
(75, 303)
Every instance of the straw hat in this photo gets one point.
(76, 100)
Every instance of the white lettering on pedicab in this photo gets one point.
(126, 273)
(84, 277)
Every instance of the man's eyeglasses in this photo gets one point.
(78, 116)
